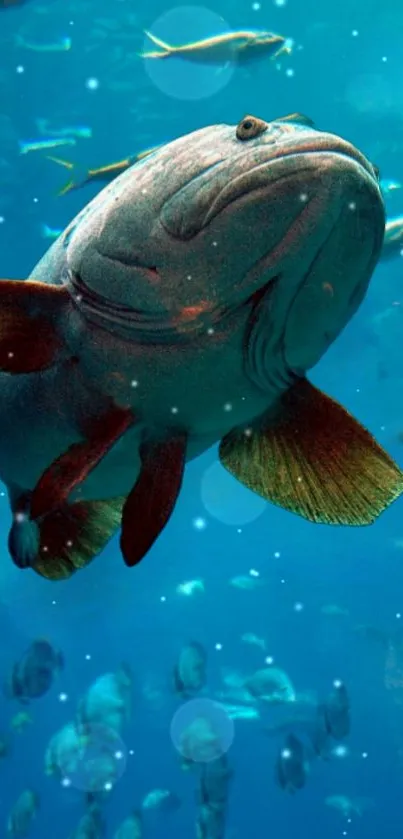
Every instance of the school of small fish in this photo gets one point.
(88, 752)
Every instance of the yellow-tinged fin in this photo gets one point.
(157, 41)
(316, 460)
(29, 339)
(145, 153)
(66, 163)
(68, 187)
(71, 537)
(166, 49)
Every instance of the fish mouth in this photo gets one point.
(322, 258)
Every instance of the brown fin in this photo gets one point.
(153, 497)
(29, 341)
(71, 537)
(316, 461)
(72, 468)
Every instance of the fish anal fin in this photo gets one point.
(29, 341)
(153, 497)
(72, 536)
(316, 461)
(73, 466)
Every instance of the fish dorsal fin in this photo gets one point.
(316, 461)
(29, 312)
(300, 119)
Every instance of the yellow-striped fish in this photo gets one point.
(242, 46)
(103, 174)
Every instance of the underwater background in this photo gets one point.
(321, 603)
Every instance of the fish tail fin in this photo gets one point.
(67, 164)
(145, 153)
(165, 48)
(158, 42)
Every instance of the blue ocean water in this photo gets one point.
(66, 63)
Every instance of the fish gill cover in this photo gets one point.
(246, 677)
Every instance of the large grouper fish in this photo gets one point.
(183, 306)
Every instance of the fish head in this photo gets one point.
(277, 219)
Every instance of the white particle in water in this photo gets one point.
(92, 84)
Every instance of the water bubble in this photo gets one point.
(202, 731)
(93, 759)
(178, 77)
(92, 83)
(227, 500)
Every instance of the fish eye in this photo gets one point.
(250, 127)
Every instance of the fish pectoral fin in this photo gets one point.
(72, 467)
(153, 497)
(29, 312)
(316, 460)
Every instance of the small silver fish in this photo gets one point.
(41, 145)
